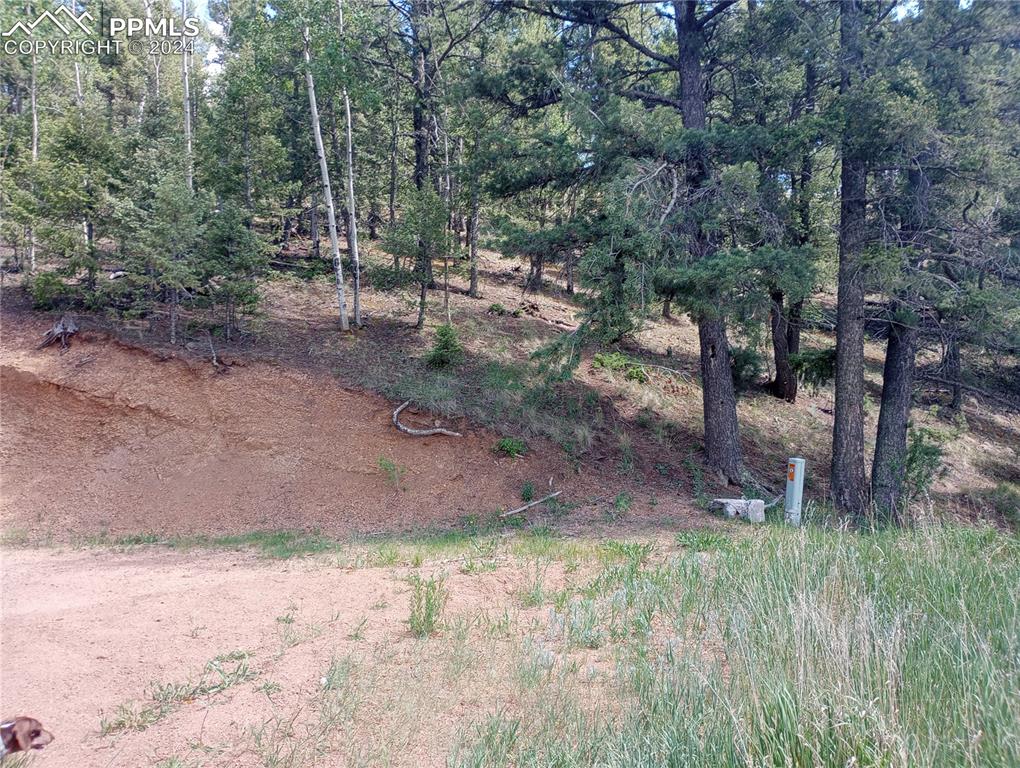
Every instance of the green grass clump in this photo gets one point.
(428, 599)
(702, 541)
(1005, 498)
(513, 447)
(895, 649)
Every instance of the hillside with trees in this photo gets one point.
(336, 269)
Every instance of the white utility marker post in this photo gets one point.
(794, 490)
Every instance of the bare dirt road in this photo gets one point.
(260, 662)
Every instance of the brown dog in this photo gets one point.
(22, 734)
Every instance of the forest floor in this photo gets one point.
(148, 496)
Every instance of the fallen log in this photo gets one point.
(63, 329)
(419, 432)
(530, 504)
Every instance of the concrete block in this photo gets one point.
(752, 510)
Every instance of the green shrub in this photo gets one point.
(428, 598)
(815, 367)
(497, 309)
(620, 363)
(527, 491)
(447, 349)
(924, 461)
(747, 367)
(513, 447)
(49, 291)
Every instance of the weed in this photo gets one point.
(533, 593)
(358, 632)
(746, 365)
(394, 472)
(428, 598)
(527, 491)
(621, 505)
(584, 625)
(221, 673)
(626, 445)
(513, 447)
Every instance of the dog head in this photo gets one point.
(22, 734)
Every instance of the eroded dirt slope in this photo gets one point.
(108, 438)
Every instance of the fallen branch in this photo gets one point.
(679, 374)
(530, 504)
(419, 432)
(970, 388)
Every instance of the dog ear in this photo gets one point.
(29, 734)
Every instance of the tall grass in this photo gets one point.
(795, 650)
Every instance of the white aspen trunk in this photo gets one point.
(142, 101)
(352, 220)
(188, 166)
(188, 170)
(79, 99)
(35, 159)
(327, 192)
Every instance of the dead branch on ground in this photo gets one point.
(419, 432)
(530, 504)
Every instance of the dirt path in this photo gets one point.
(85, 632)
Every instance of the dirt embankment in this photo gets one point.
(109, 438)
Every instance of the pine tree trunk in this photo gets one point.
(722, 437)
(888, 467)
(327, 192)
(423, 119)
(719, 400)
(951, 363)
(392, 197)
(248, 199)
(784, 385)
(849, 484)
(890, 460)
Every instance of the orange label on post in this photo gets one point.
(790, 469)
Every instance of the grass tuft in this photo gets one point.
(428, 599)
